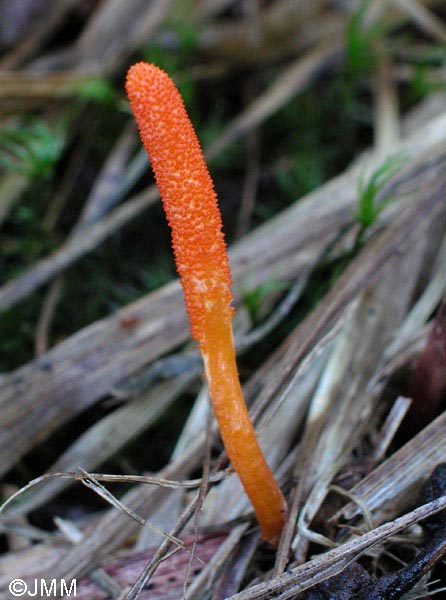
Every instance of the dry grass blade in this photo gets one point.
(235, 570)
(424, 307)
(391, 426)
(90, 482)
(305, 576)
(105, 438)
(394, 484)
(163, 551)
(341, 405)
(309, 468)
(35, 39)
(205, 581)
(286, 29)
(74, 248)
(292, 80)
(387, 119)
(105, 193)
(426, 20)
(115, 527)
(12, 185)
(113, 31)
(39, 87)
(110, 478)
(362, 273)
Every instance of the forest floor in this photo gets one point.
(324, 127)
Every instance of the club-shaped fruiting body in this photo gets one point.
(190, 203)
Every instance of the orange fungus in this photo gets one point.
(190, 202)
(186, 190)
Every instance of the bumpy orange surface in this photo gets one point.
(191, 206)
(186, 190)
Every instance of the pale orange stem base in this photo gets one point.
(236, 428)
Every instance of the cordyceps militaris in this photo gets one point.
(190, 203)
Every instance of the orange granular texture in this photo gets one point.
(186, 190)
(190, 203)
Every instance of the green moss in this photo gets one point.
(32, 148)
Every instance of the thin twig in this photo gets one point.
(90, 482)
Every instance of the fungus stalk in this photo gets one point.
(192, 212)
